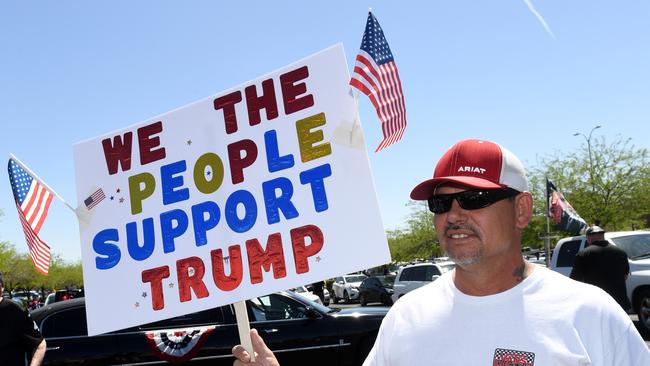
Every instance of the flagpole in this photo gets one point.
(355, 96)
(547, 238)
(22, 165)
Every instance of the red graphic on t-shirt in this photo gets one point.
(508, 357)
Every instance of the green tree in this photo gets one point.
(7, 256)
(22, 274)
(418, 240)
(607, 184)
(63, 275)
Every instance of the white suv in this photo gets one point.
(637, 246)
(347, 287)
(417, 275)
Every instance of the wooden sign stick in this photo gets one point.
(244, 328)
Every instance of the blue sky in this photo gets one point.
(72, 70)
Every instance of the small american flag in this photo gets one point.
(33, 202)
(375, 75)
(94, 199)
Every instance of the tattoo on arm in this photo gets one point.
(520, 272)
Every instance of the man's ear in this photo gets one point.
(523, 209)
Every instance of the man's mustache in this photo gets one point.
(468, 227)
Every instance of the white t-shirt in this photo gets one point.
(547, 319)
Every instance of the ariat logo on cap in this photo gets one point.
(471, 169)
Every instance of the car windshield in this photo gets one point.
(636, 246)
(358, 278)
(393, 267)
(300, 289)
(387, 281)
(317, 306)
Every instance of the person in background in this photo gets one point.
(604, 265)
(33, 305)
(20, 339)
(318, 290)
(494, 307)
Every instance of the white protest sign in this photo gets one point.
(257, 189)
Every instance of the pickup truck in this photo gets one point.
(637, 246)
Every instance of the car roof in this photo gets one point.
(429, 264)
(56, 306)
(616, 234)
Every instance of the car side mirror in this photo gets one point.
(434, 277)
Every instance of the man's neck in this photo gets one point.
(483, 280)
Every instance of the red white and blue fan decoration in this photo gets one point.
(178, 345)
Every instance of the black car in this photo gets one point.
(376, 289)
(299, 331)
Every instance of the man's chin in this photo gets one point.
(465, 260)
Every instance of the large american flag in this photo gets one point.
(375, 75)
(33, 202)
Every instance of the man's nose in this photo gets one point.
(456, 213)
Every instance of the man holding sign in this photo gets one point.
(495, 308)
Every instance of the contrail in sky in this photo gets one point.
(539, 17)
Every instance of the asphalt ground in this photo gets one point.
(635, 319)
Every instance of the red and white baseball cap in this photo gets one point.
(477, 164)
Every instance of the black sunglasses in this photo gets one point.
(469, 200)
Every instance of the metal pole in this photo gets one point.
(29, 171)
(547, 239)
(591, 163)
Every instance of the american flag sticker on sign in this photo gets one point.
(94, 199)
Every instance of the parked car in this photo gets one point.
(534, 256)
(637, 246)
(376, 289)
(326, 294)
(417, 275)
(298, 331)
(302, 291)
(49, 299)
(389, 269)
(347, 287)
(62, 295)
(26, 299)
